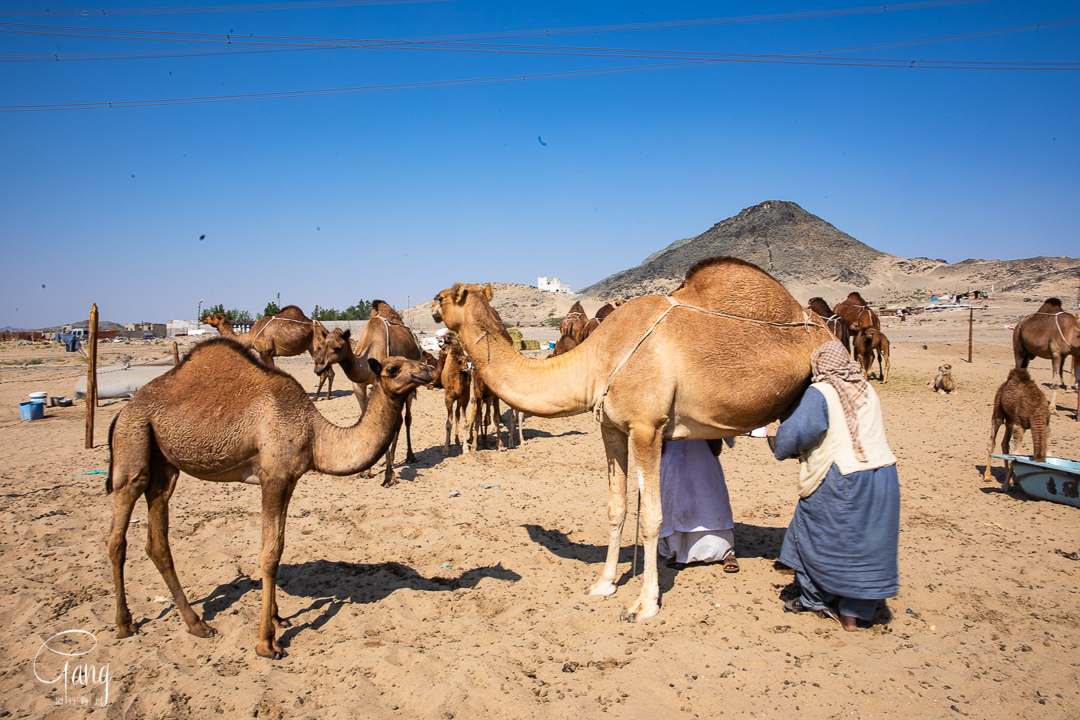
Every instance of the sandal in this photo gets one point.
(795, 605)
(731, 565)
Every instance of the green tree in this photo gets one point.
(322, 314)
(359, 311)
(240, 316)
(270, 309)
(214, 309)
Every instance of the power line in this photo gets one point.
(308, 5)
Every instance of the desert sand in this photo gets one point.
(459, 593)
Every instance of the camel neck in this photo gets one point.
(344, 451)
(555, 387)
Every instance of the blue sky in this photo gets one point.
(331, 198)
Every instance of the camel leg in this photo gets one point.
(158, 492)
(361, 395)
(615, 446)
(470, 421)
(498, 427)
(645, 443)
(124, 498)
(451, 422)
(130, 476)
(388, 477)
(1057, 367)
(275, 510)
(410, 456)
(1006, 439)
(995, 425)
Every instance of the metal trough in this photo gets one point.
(1056, 479)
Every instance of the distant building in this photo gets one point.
(552, 285)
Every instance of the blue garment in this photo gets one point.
(843, 538)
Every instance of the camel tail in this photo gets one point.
(108, 478)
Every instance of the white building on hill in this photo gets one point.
(552, 285)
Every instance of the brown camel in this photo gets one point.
(943, 383)
(565, 344)
(288, 333)
(856, 313)
(452, 375)
(1020, 405)
(267, 433)
(833, 321)
(748, 361)
(866, 344)
(573, 324)
(1049, 333)
(383, 336)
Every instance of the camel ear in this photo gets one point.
(347, 333)
(460, 289)
(376, 366)
(488, 292)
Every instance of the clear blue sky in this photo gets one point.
(330, 198)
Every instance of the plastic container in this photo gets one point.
(31, 410)
(39, 397)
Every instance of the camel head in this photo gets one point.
(216, 320)
(819, 306)
(399, 376)
(333, 347)
(454, 305)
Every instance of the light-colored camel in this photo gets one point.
(286, 334)
(384, 335)
(1049, 333)
(267, 433)
(1020, 405)
(833, 321)
(867, 343)
(452, 375)
(747, 361)
(943, 383)
(856, 313)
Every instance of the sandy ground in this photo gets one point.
(410, 602)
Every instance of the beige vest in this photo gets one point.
(836, 446)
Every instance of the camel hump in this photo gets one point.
(292, 312)
(1052, 305)
(727, 284)
(383, 309)
(1020, 375)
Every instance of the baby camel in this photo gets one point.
(265, 431)
(1020, 405)
(943, 382)
(452, 375)
(869, 341)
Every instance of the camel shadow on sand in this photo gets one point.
(751, 541)
(331, 585)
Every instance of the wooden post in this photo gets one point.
(971, 321)
(175, 353)
(91, 376)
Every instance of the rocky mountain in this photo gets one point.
(811, 257)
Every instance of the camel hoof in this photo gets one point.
(410, 458)
(639, 613)
(389, 482)
(202, 630)
(281, 623)
(602, 587)
(123, 631)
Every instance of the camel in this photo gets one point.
(573, 324)
(1049, 333)
(943, 383)
(601, 314)
(833, 321)
(747, 361)
(565, 344)
(452, 375)
(866, 344)
(385, 335)
(1020, 405)
(288, 333)
(267, 433)
(856, 313)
